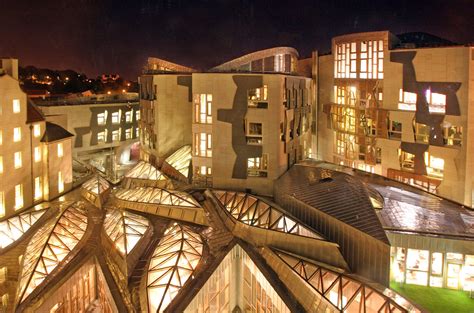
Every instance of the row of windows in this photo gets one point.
(116, 117)
(359, 60)
(117, 134)
(434, 165)
(452, 135)
(436, 101)
(18, 159)
(17, 133)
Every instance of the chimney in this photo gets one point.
(10, 67)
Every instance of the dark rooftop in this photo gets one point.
(55, 132)
(422, 40)
(33, 113)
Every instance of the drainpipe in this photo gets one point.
(31, 166)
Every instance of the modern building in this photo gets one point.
(247, 120)
(35, 154)
(401, 107)
(105, 126)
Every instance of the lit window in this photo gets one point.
(37, 154)
(279, 63)
(436, 278)
(60, 182)
(102, 118)
(18, 196)
(422, 132)
(128, 133)
(254, 133)
(137, 115)
(203, 144)
(257, 166)
(468, 270)
(38, 190)
(202, 171)
(137, 132)
(203, 108)
(102, 136)
(452, 135)
(60, 150)
(17, 160)
(116, 117)
(16, 134)
(1, 137)
(406, 101)
(16, 106)
(2, 204)
(36, 130)
(1, 164)
(128, 116)
(395, 130)
(417, 267)
(436, 102)
(434, 165)
(116, 135)
(258, 98)
(407, 160)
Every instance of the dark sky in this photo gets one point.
(112, 36)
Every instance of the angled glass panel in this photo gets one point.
(96, 185)
(181, 160)
(157, 196)
(125, 229)
(253, 211)
(144, 170)
(174, 260)
(13, 228)
(49, 246)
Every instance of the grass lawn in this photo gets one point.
(436, 300)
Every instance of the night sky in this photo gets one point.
(105, 36)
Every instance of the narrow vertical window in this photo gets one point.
(16, 106)
(37, 154)
(16, 134)
(38, 189)
(60, 150)
(17, 160)
(18, 196)
(36, 130)
(60, 182)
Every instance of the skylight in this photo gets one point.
(144, 170)
(13, 228)
(157, 196)
(181, 160)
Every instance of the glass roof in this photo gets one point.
(14, 227)
(96, 184)
(157, 196)
(256, 212)
(173, 262)
(144, 170)
(49, 246)
(181, 160)
(125, 229)
(344, 292)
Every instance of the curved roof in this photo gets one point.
(160, 65)
(344, 292)
(13, 228)
(181, 160)
(157, 196)
(172, 264)
(256, 212)
(50, 246)
(144, 170)
(96, 185)
(125, 229)
(237, 63)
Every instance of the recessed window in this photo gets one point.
(258, 166)
(60, 150)
(1, 164)
(407, 160)
(137, 132)
(422, 132)
(137, 115)
(203, 171)
(1, 137)
(38, 189)
(128, 133)
(203, 108)
(102, 136)
(452, 136)
(436, 102)
(128, 116)
(258, 97)
(203, 144)
(406, 100)
(16, 106)
(102, 118)
(434, 165)
(17, 160)
(395, 130)
(116, 117)
(18, 196)
(16, 134)
(60, 182)
(36, 130)
(37, 154)
(116, 135)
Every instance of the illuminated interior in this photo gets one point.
(172, 264)
(157, 196)
(13, 228)
(203, 108)
(181, 160)
(434, 165)
(255, 212)
(406, 100)
(362, 60)
(50, 246)
(344, 292)
(144, 170)
(125, 229)
(96, 185)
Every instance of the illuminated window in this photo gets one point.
(279, 63)
(16, 106)
(60, 150)
(407, 160)
(1, 164)
(203, 144)
(38, 190)
(17, 160)
(36, 130)
(102, 136)
(116, 117)
(422, 132)
(257, 167)
(203, 108)
(128, 116)
(406, 101)
(137, 115)
(395, 130)
(452, 136)
(436, 278)
(371, 59)
(18, 196)
(2, 204)
(1, 137)
(258, 97)
(116, 135)
(137, 132)
(102, 118)
(436, 102)
(417, 267)
(128, 133)
(434, 165)
(203, 170)
(468, 271)
(16, 134)
(37, 154)
(60, 182)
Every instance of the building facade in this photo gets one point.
(399, 110)
(35, 154)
